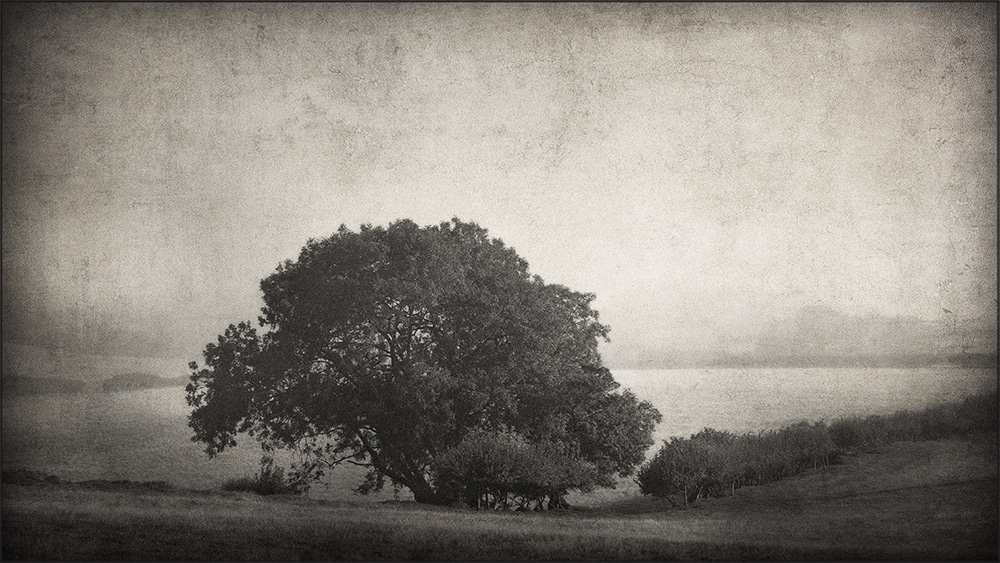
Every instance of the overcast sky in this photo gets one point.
(706, 170)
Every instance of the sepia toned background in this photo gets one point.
(733, 182)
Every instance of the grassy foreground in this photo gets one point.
(933, 500)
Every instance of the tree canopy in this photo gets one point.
(402, 349)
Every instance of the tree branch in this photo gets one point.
(346, 458)
(377, 461)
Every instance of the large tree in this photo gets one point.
(387, 347)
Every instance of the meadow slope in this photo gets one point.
(915, 501)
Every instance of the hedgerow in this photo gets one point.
(713, 463)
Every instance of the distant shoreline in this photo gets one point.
(26, 386)
(21, 386)
(970, 361)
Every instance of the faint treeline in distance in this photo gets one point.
(714, 463)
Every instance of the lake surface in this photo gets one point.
(143, 435)
(752, 399)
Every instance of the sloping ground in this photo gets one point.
(923, 501)
(901, 466)
(935, 499)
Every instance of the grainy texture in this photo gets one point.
(737, 183)
(942, 507)
(708, 170)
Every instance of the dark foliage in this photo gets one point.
(974, 414)
(712, 463)
(387, 348)
(503, 471)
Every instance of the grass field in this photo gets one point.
(933, 500)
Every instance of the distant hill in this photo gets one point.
(822, 337)
(19, 385)
(757, 360)
(859, 361)
(134, 381)
(821, 332)
(34, 370)
(25, 360)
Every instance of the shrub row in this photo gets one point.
(978, 413)
(713, 463)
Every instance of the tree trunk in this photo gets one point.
(556, 500)
(425, 494)
(472, 498)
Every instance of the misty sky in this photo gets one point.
(709, 171)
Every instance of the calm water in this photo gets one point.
(143, 436)
(756, 399)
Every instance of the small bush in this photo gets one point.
(503, 471)
(270, 480)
